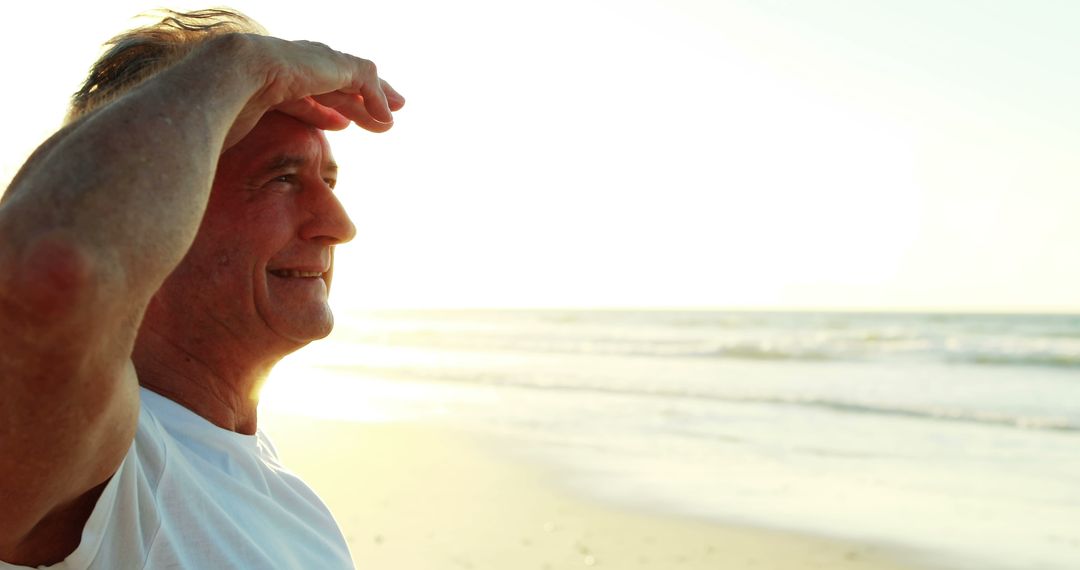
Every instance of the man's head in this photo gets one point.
(137, 54)
(254, 283)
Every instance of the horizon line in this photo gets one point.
(1017, 311)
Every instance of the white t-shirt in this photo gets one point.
(190, 495)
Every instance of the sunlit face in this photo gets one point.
(261, 264)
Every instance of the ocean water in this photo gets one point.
(952, 438)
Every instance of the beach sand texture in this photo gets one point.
(417, 497)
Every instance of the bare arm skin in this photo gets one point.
(92, 225)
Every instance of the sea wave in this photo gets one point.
(1041, 359)
(940, 414)
(758, 351)
(603, 345)
(929, 413)
(859, 346)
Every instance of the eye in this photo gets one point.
(332, 183)
(284, 179)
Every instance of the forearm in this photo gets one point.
(126, 187)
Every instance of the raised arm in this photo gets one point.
(91, 227)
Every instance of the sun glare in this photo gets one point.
(311, 392)
(782, 169)
(327, 381)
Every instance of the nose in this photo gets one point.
(329, 223)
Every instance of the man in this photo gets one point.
(157, 256)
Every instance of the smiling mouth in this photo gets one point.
(294, 274)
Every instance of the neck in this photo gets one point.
(221, 386)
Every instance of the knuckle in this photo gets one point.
(366, 66)
(314, 44)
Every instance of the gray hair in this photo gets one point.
(138, 54)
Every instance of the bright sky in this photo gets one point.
(633, 153)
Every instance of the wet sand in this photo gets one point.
(416, 497)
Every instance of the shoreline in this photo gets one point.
(415, 496)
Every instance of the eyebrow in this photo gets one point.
(286, 161)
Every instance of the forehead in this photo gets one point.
(279, 139)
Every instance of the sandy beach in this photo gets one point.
(416, 497)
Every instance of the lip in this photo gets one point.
(299, 271)
(297, 274)
(313, 267)
(299, 281)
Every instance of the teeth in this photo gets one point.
(294, 273)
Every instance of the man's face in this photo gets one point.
(261, 264)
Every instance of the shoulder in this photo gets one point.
(267, 449)
(127, 518)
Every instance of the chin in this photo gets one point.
(303, 327)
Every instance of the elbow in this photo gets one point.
(52, 277)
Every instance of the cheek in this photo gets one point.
(237, 240)
(218, 260)
(266, 228)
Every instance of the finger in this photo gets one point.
(395, 99)
(352, 107)
(376, 104)
(368, 85)
(316, 114)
